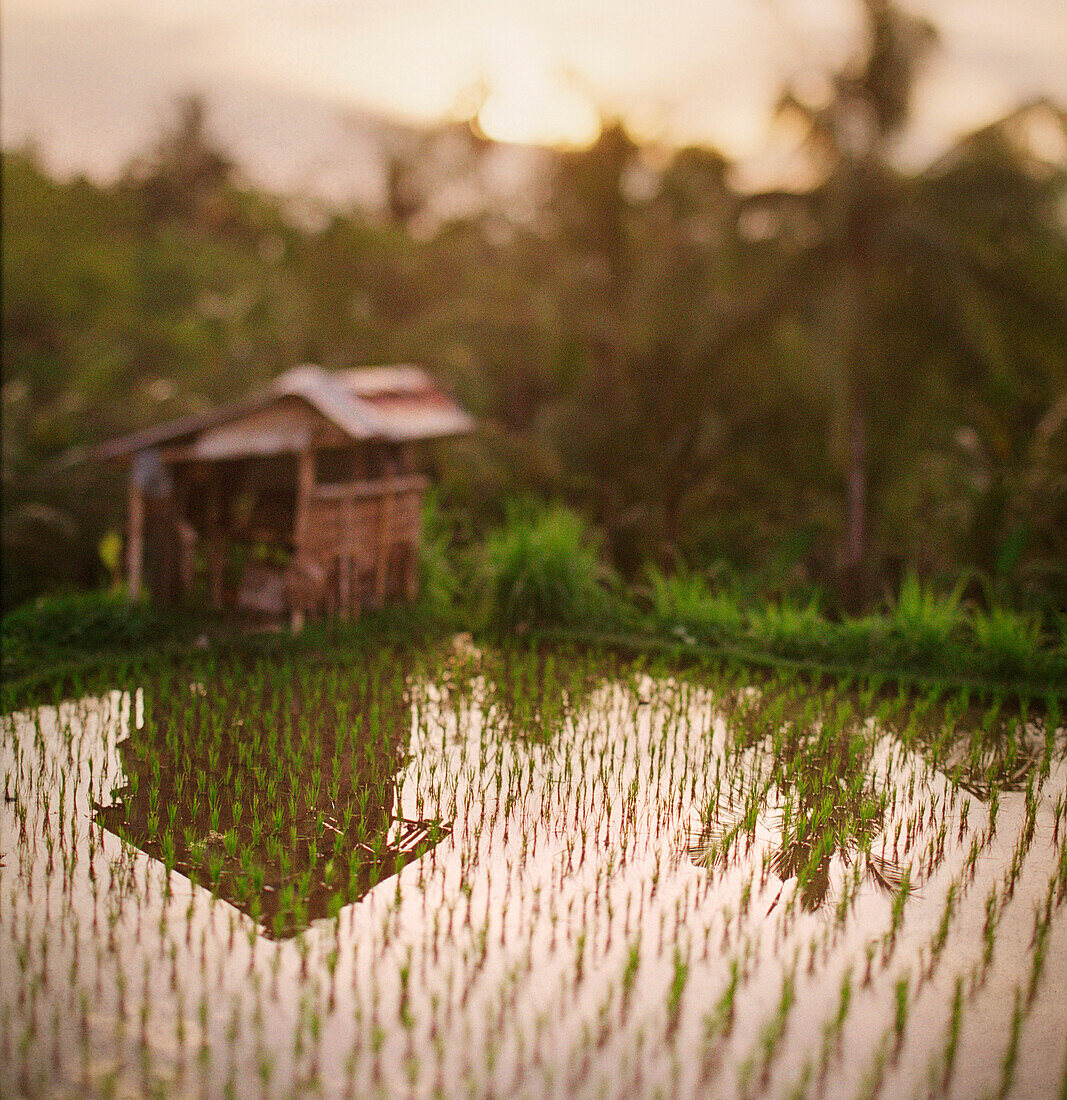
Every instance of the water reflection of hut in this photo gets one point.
(271, 799)
(305, 496)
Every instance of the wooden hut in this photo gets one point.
(304, 497)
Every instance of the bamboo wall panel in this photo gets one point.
(344, 531)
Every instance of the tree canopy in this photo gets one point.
(824, 386)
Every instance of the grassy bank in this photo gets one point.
(541, 576)
(542, 573)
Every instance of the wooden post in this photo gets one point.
(187, 539)
(345, 564)
(305, 486)
(184, 533)
(385, 538)
(411, 560)
(134, 533)
(342, 590)
(215, 562)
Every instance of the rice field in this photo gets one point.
(531, 873)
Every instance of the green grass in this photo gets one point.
(80, 620)
(542, 569)
(684, 604)
(923, 633)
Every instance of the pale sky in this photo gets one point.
(290, 80)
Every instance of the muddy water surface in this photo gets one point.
(453, 885)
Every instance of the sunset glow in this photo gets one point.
(528, 100)
(89, 80)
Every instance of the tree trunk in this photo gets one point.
(856, 514)
(842, 341)
(134, 533)
(854, 579)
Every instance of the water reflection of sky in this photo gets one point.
(560, 941)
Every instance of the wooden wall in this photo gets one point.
(364, 537)
(355, 543)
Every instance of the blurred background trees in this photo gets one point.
(817, 387)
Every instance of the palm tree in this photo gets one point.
(187, 174)
(818, 814)
(953, 257)
(658, 301)
(844, 219)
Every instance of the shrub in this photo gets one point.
(542, 569)
(859, 641)
(790, 630)
(440, 583)
(922, 628)
(78, 620)
(1008, 641)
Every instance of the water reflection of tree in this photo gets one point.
(813, 790)
(983, 749)
(277, 795)
(526, 694)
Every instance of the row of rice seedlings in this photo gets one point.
(279, 802)
(519, 833)
(933, 817)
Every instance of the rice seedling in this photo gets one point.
(534, 870)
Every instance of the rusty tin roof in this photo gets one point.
(394, 404)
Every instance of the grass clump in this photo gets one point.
(542, 568)
(685, 603)
(80, 618)
(1011, 641)
(442, 572)
(52, 626)
(790, 630)
(922, 632)
(922, 627)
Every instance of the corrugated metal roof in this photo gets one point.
(327, 395)
(407, 420)
(407, 403)
(280, 427)
(392, 403)
(173, 431)
(373, 381)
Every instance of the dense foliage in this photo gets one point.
(822, 390)
(540, 570)
(541, 573)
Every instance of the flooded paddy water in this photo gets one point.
(534, 874)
